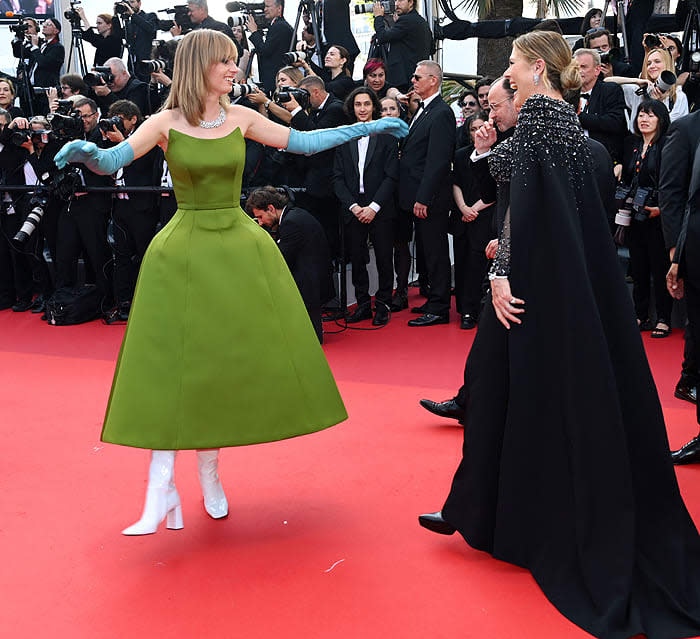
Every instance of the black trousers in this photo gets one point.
(16, 281)
(168, 206)
(380, 231)
(133, 231)
(83, 227)
(649, 258)
(431, 233)
(691, 282)
(403, 231)
(326, 211)
(471, 264)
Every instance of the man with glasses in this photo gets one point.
(83, 226)
(407, 42)
(425, 189)
(45, 61)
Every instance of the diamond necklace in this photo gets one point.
(212, 124)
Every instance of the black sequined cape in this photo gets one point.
(566, 467)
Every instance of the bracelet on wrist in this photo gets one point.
(493, 276)
(267, 105)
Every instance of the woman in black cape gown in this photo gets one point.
(566, 468)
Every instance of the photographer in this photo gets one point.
(164, 52)
(139, 29)
(46, 61)
(122, 86)
(107, 39)
(409, 40)
(135, 215)
(601, 39)
(198, 11)
(640, 171)
(271, 49)
(319, 199)
(83, 226)
(335, 74)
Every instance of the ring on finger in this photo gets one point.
(512, 300)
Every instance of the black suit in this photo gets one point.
(215, 25)
(46, 63)
(303, 245)
(604, 117)
(319, 198)
(139, 32)
(380, 175)
(409, 42)
(271, 49)
(134, 90)
(426, 158)
(336, 26)
(679, 185)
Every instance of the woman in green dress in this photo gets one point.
(191, 374)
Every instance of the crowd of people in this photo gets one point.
(371, 191)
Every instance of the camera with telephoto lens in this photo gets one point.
(107, 124)
(663, 83)
(19, 136)
(20, 29)
(694, 62)
(65, 183)
(643, 197)
(37, 205)
(242, 90)
(255, 9)
(389, 7)
(285, 94)
(99, 76)
(153, 66)
(295, 56)
(122, 8)
(236, 21)
(66, 123)
(181, 18)
(623, 199)
(652, 41)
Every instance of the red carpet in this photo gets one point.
(322, 538)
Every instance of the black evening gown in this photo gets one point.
(566, 468)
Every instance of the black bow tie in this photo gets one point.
(586, 96)
(421, 105)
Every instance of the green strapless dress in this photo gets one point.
(219, 350)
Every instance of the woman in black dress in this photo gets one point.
(566, 468)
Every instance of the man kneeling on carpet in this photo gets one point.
(303, 244)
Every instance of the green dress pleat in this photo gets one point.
(219, 349)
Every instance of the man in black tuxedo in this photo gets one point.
(198, 11)
(319, 199)
(602, 105)
(303, 245)
(139, 31)
(46, 61)
(679, 201)
(335, 28)
(272, 47)
(408, 42)
(124, 87)
(365, 176)
(425, 187)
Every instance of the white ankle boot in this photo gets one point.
(162, 499)
(214, 498)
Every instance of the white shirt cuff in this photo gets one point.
(375, 207)
(353, 205)
(296, 111)
(475, 157)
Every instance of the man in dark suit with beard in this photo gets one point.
(303, 245)
(602, 105)
(407, 42)
(425, 187)
(679, 199)
(272, 47)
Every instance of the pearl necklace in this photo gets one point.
(212, 124)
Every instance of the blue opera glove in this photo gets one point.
(100, 161)
(310, 142)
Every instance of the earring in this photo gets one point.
(536, 78)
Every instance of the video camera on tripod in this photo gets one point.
(72, 15)
(181, 18)
(255, 9)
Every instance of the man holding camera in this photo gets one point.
(83, 226)
(122, 86)
(139, 31)
(135, 215)
(46, 60)
(611, 56)
(271, 48)
(408, 42)
(198, 10)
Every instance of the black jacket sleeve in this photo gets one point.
(342, 173)
(385, 193)
(439, 156)
(676, 165)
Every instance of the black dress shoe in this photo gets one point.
(123, 311)
(686, 392)
(467, 322)
(399, 303)
(429, 320)
(381, 314)
(22, 306)
(449, 408)
(435, 522)
(38, 308)
(688, 454)
(420, 310)
(361, 313)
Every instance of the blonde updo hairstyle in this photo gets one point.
(561, 71)
(195, 55)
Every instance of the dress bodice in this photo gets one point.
(206, 173)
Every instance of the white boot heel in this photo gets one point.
(162, 499)
(215, 502)
(174, 518)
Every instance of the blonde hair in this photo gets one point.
(668, 66)
(195, 55)
(561, 71)
(293, 73)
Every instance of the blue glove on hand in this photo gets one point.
(310, 142)
(100, 161)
